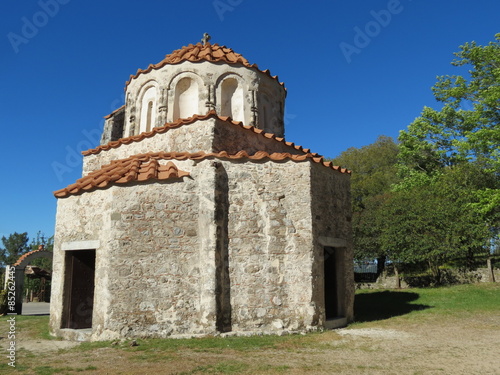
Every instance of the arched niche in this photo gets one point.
(186, 98)
(232, 100)
(148, 104)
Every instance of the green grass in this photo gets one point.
(373, 308)
(470, 298)
(225, 367)
(374, 305)
(210, 344)
(49, 370)
(34, 326)
(155, 347)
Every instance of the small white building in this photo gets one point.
(194, 216)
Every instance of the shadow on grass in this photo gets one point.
(373, 306)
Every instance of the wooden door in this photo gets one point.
(80, 273)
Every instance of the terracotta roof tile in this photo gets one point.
(187, 121)
(145, 167)
(24, 256)
(136, 168)
(114, 112)
(199, 52)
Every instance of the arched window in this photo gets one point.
(232, 100)
(186, 98)
(148, 110)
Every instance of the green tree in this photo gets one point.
(459, 144)
(41, 239)
(374, 171)
(48, 244)
(467, 127)
(13, 247)
(434, 224)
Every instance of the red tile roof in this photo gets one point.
(199, 52)
(24, 256)
(145, 167)
(114, 112)
(136, 168)
(187, 121)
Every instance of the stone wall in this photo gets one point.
(155, 261)
(269, 245)
(450, 277)
(113, 126)
(211, 135)
(234, 138)
(331, 205)
(188, 138)
(231, 247)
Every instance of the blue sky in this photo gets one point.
(354, 70)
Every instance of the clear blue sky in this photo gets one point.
(64, 64)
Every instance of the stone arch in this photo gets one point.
(186, 96)
(18, 269)
(231, 96)
(147, 105)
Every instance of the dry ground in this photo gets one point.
(412, 343)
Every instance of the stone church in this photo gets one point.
(194, 216)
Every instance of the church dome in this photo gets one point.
(195, 80)
(202, 52)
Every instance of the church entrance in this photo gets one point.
(334, 282)
(79, 289)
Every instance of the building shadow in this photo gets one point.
(382, 305)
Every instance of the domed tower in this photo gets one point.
(194, 80)
(196, 217)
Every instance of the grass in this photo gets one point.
(421, 303)
(36, 327)
(257, 354)
(226, 367)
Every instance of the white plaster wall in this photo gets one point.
(232, 99)
(186, 99)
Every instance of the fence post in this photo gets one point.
(491, 273)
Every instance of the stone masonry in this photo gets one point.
(201, 225)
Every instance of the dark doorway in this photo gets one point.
(330, 284)
(79, 289)
(334, 282)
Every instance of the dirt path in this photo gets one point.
(468, 345)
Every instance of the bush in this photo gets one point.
(3, 302)
(447, 277)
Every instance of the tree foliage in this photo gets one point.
(433, 224)
(436, 195)
(48, 244)
(374, 170)
(447, 203)
(467, 127)
(13, 247)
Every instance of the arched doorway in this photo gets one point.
(20, 267)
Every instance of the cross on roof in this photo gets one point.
(205, 38)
